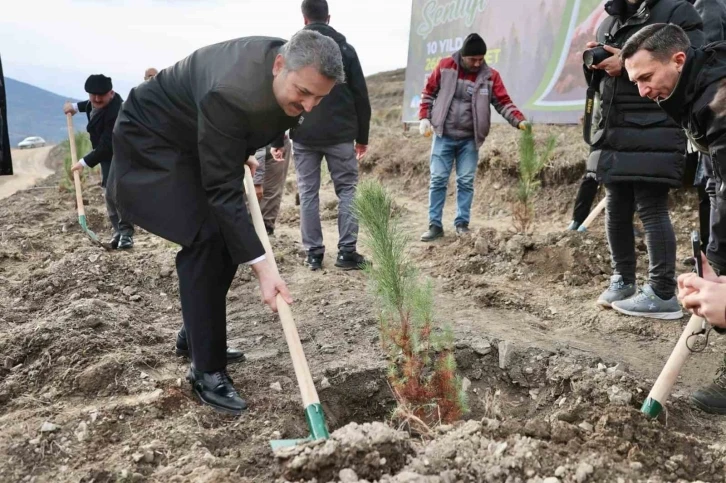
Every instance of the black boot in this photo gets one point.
(182, 349)
(350, 261)
(712, 398)
(462, 229)
(433, 233)
(215, 389)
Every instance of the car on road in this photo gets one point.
(32, 142)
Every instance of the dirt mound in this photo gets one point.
(354, 451)
(556, 428)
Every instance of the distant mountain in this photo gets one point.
(36, 112)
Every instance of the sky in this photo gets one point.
(56, 44)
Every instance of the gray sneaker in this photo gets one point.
(618, 290)
(648, 304)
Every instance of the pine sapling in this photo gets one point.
(422, 367)
(531, 163)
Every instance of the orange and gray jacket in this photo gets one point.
(458, 102)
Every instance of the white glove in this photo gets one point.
(425, 128)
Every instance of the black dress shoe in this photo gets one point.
(182, 349)
(215, 389)
(114, 241)
(125, 242)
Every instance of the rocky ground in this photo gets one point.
(90, 390)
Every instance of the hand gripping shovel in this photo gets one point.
(77, 182)
(313, 410)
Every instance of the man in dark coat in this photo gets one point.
(6, 161)
(337, 130)
(690, 85)
(102, 108)
(180, 144)
(638, 153)
(713, 14)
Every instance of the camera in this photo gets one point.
(595, 55)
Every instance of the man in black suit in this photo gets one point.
(102, 108)
(180, 145)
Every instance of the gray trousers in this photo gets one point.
(343, 169)
(273, 186)
(120, 227)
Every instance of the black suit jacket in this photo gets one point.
(100, 129)
(183, 137)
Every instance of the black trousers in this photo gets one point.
(712, 215)
(650, 200)
(704, 216)
(206, 271)
(585, 197)
(716, 251)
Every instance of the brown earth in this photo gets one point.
(90, 389)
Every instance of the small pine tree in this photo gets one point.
(422, 367)
(531, 164)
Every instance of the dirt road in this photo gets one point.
(29, 166)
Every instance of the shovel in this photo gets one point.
(593, 214)
(658, 395)
(77, 182)
(313, 410)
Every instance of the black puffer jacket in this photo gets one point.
(344, 115)
(697, 104)
(691, 104)
(635, 140)
(713, 14)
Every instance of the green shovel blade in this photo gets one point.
(84, 225)
(651, 408)
(316, 423)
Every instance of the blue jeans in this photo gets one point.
(444, 151)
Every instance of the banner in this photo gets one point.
(6, 162)
(536, 46)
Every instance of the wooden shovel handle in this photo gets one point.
(74, 160)
(299, 362)
(668, 376)
(594, 213)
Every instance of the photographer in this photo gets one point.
(638, 153)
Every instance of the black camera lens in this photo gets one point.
(595, 55)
